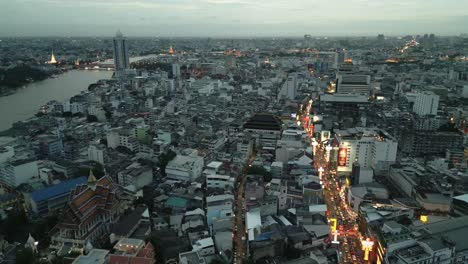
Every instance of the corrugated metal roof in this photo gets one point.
(57, 190)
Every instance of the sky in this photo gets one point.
(232, 18)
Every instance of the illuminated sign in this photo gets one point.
(342, 156)
(367, 247)
(423, 218)
(334, 224)
(334, 232)
(293, 115)
(335, 237)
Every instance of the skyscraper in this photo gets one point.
(121, 60)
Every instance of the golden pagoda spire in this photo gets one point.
(52, 59)
(91, 178)
(171, 50)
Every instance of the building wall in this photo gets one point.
(426, 104)
(369, 154)
(112, 139)
(96, 154)
(219, 183)
(24, 172)
(6, 153)
(269, 207)
(218, 212)
(174, 171)
(404, 183)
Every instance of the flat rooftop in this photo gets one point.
(344, 98)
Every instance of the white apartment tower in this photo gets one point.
(96, 153)
(372, 148)
(289, 88)
(426, 104)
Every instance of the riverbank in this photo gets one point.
(25, 102)
(18, 76)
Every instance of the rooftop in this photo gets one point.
(344, 98)
(95, 256)
(58, 190)
(263, 122)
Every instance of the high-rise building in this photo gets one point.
(380, 37)
(96, 153)
(465, 91)
(289, 89)
(121, 59)
(372, 148)
(342, 56)
(426, 104)
(176, 70)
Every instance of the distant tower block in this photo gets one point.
(121, 59)
(52, 59)
(171, 50)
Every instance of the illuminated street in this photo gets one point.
(239, 216)
(348, 236)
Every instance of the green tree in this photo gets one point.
(260, 170)
(13, 226)
(67, 114)
(25, 256)
(164, 159)
(292, 252)
(156, 242)
(91, 118)
(217, 261)
(108, 115)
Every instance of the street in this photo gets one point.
(348, 239)
(239, 235)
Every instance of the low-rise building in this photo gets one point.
(185, 168)
(219, 207)
(219, 181)
(130, 250)
(52, 198)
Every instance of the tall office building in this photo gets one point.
(121, 60)
(426, 104)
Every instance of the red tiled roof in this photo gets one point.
(86, 203)
(116, 259)
(137, 260)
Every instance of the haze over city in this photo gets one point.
(231, 18)
(234, 132)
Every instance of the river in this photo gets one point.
(25, 102)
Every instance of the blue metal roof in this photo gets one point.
(265, 236)
(57, 190)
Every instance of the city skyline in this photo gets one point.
(237, 18)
